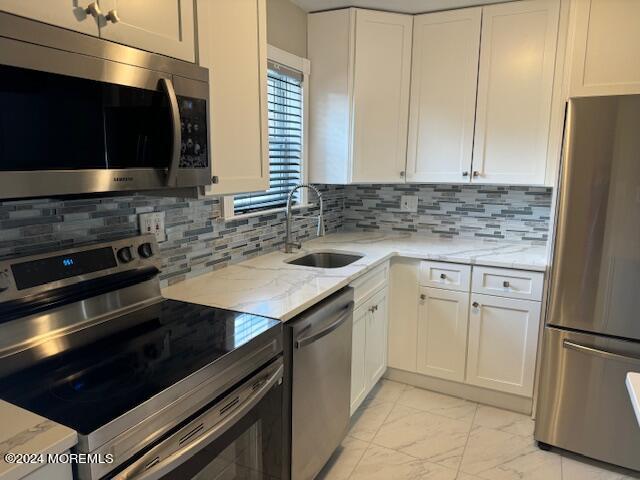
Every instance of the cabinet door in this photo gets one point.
(376, 349)
(443, 95)
(160, 26)
(503, 337)
(69, 14)
(381, 96)
(238, 92)
(606, 58)
(358, 348)
(515, 84)
(442, 333)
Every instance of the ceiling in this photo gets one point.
(405, 6)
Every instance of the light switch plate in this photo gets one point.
(153, 223)
(409, 203)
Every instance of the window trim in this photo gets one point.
(302, 65)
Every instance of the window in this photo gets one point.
(286, 114)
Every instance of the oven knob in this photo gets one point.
(125, 255)
(4, 281)
(145, 250)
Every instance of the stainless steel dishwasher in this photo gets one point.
(318, 377)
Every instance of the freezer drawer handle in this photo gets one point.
(599, 353)
(342, 317)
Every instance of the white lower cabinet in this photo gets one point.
(376, 339)
(448, 331)
(358, 360)
(503, 337)
(442, 333)
(369, 346)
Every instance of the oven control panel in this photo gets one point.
(24, 276)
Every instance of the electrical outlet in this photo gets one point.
(409, 203)
(153, 223)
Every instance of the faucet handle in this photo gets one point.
(321, 229)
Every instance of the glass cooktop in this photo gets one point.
(91, 382)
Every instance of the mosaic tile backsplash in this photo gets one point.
(199, 239)
(456, 211)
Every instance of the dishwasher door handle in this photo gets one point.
(342, 317)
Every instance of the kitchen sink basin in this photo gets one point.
(325, 260)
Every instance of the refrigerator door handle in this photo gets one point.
(599, 353)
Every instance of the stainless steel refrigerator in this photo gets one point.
(592, 331)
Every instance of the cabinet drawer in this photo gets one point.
(450, 276)
(370, 282)
(508, 283)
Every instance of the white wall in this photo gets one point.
(287, 27)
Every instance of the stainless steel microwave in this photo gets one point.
(83, 115)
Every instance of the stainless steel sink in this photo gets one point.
(326, 260)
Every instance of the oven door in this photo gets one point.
(238, 437)
(72, 124)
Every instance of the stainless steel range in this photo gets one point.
(170, 389)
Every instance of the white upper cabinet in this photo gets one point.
(515, 86)
(71, 14)
(359, 96)
(605, 57)
(381, 96)
(238, 92)
(160, 26)
(443, 95)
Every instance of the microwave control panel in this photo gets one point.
(195, 139)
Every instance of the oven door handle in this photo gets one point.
(146, 469)
(176, 131)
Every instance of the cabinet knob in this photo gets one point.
(443, 276)
(505, 284)
(402, 173)
(465, 174)
(475, 304)
(423, 296)
(476, 173)
(93, 9)
(112, 16)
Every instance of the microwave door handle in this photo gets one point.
(172, 173)
(153, 470)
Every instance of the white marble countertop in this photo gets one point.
(24, 432)
(633, 386)
(268, 286)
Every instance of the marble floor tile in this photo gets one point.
(424, 435)
(368, 419)
(386, 391)
(488, 449)
(438, 403)
(380, 463)
(344, 460)
(499, 419)
(466, 476)
(584, 469)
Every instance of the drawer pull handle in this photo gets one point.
(505, 284)
(443, 276)
(475, 304)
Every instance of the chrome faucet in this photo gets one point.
(288, 244)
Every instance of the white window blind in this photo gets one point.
(284, 95)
